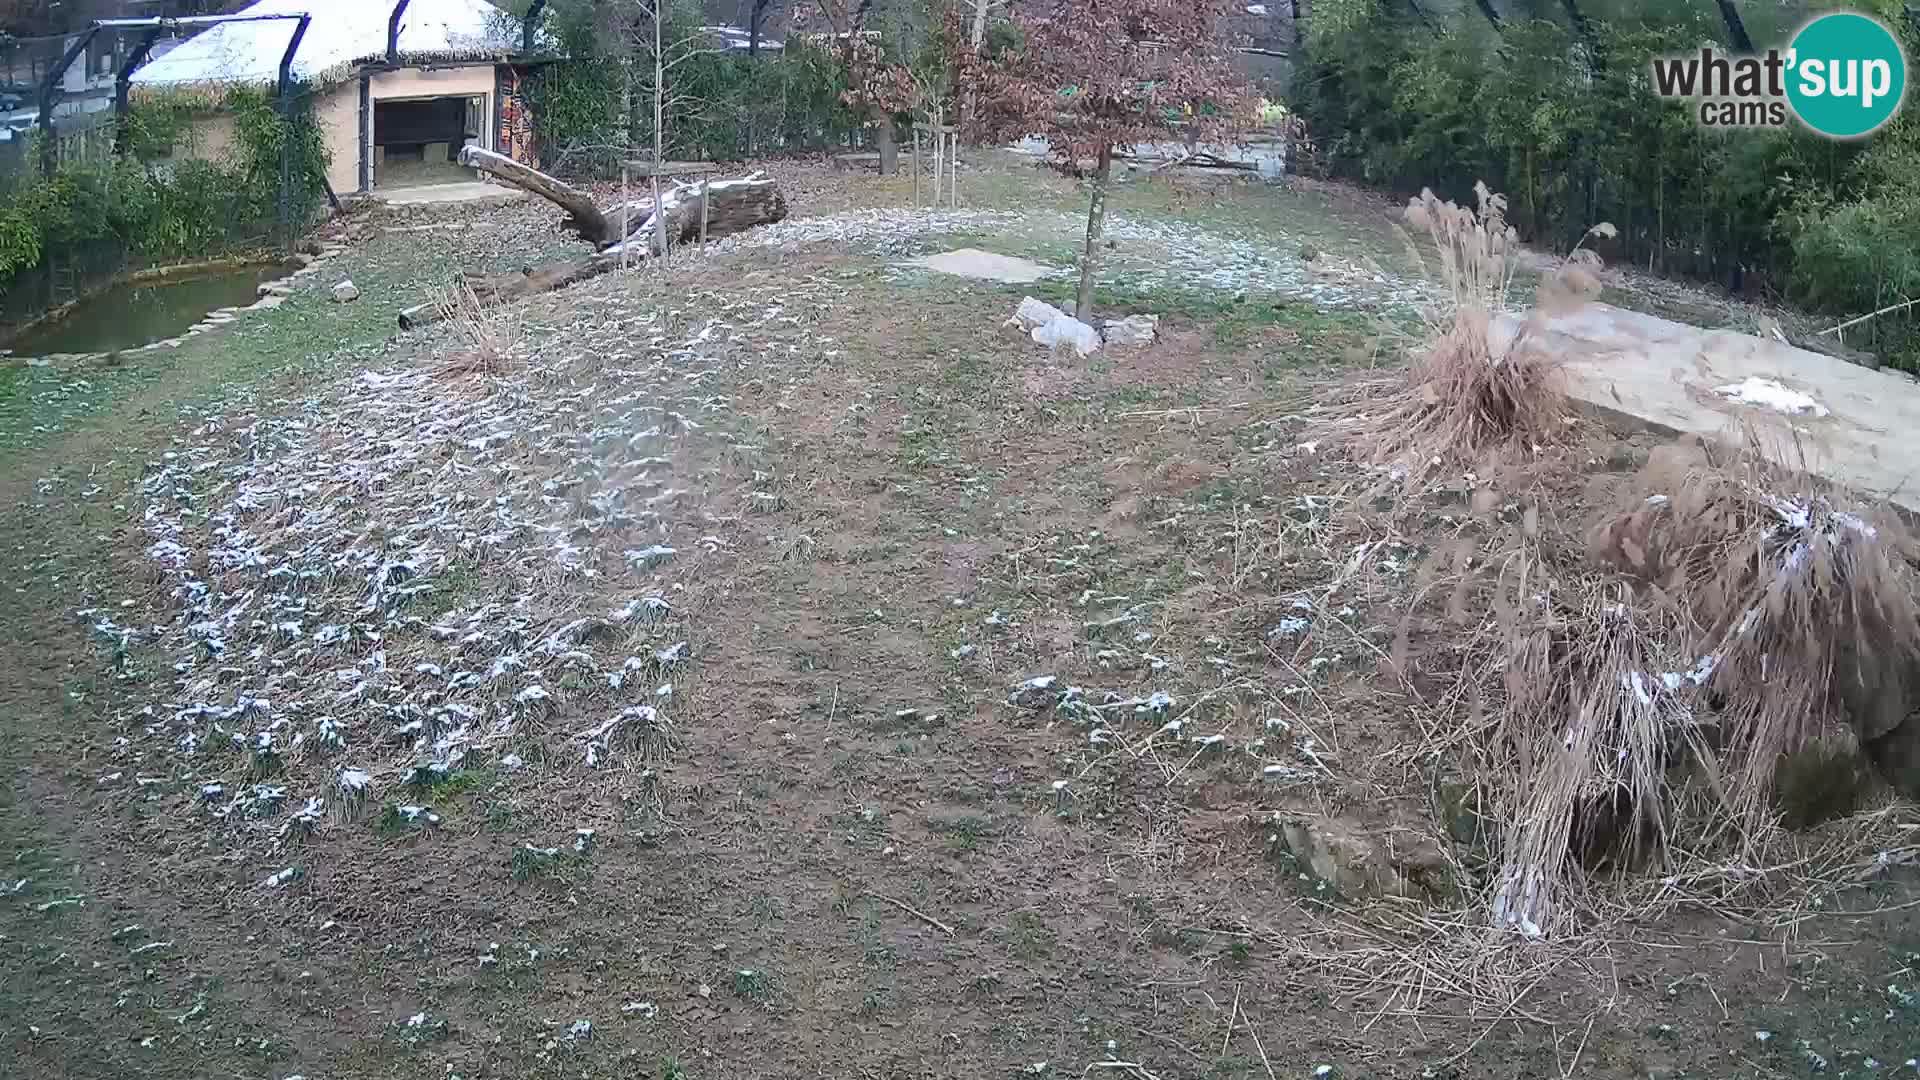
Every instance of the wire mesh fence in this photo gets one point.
(83, 199)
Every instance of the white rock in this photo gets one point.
(1067, 330)
(346, 291)
(1033, 313)
(1050, 326)
(1134, 330)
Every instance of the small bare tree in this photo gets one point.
(1095, 76)
(663, 37)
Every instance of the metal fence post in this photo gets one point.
(285, 96)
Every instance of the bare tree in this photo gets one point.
(660, 43)
(1100, 75)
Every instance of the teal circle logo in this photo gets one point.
(1846, 75)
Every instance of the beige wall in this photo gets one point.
(338, 114)
(209, 137)
(443, 82)
(212, 137)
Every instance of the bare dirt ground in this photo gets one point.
(781, 671)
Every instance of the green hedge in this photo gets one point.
(144, 210)
(1570, 129)
(726, 108)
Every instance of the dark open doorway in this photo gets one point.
(417, 141)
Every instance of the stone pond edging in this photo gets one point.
(271, 294)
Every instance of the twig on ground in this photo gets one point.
(1133, 1067)
(1232, 1016)
(1189, 410)
(916, 913)
(1578, 1050)
(1168, 1040)
(1258, 1046)
(1505, 1014)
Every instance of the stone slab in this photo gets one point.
(986, 265)
(1855, 426)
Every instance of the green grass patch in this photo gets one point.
(528, 863)
(459, 782)
(1237, 320)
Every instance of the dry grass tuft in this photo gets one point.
(1585, 746)
(1734, 640)
(1650, 691)
(489, 334)
(1475, 387)
(1802, 606)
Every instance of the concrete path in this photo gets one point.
(447, 193)
(1855, 426)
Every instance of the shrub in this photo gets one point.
(1857, 256)
(155, 211)
(723, 107)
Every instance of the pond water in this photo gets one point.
(127, 316)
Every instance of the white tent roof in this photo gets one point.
(342, 34)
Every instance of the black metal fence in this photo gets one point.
(81, 116)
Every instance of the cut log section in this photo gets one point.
(736, 206)
(733, 206)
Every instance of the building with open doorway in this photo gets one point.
(399, 85)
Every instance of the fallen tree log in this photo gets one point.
(736, 205)
(726, 207)
(583, 217)
(511, 286)
(720, 208)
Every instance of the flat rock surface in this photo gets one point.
(974, 263)
(1853, 425)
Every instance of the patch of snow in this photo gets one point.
(1768, 393)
